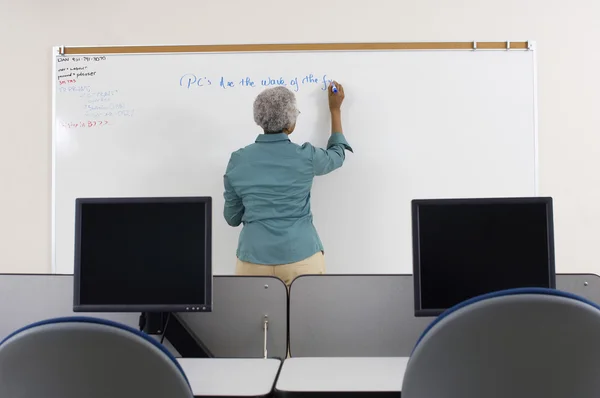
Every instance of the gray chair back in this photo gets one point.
(520, 343)
(87, 357)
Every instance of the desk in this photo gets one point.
(352, 377)
(224, 377)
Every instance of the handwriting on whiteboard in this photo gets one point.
(195, 81)
(75, 89)
(84, 124)
(109, 112)
(81, 59)
(99, 96)
(105, 104)
(76, 70)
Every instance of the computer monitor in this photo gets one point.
(463, 248)
(143, 254)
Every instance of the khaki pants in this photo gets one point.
(315, 264)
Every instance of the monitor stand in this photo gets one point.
(181, 338)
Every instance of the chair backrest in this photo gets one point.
(78, 357)
(517, 343)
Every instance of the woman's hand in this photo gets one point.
(335, 103)
(335, 99)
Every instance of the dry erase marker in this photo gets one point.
(334, 88)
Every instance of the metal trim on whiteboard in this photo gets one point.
(53, 166)
(292, 47)
(536, 165)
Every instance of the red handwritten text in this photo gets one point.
(84, 124)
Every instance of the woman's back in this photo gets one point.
(272, 179)
(268, 185)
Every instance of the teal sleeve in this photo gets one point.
(327, 160)
(234, 207)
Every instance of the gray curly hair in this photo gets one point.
(275, 109)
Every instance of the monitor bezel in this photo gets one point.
(184, 307)
(416, 205)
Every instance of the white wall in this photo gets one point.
(569, 85)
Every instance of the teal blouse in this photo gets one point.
(267, 189)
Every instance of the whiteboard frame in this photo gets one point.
(67, 51)
(295, 47)
(55, 54)
(536, 164)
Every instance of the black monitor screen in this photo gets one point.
(469, 247)
(143, 254)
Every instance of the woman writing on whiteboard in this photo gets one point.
(268, 184)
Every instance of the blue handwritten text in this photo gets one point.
(295, 83)
(190, 80)
(226, 83)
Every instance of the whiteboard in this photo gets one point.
(423, 124)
